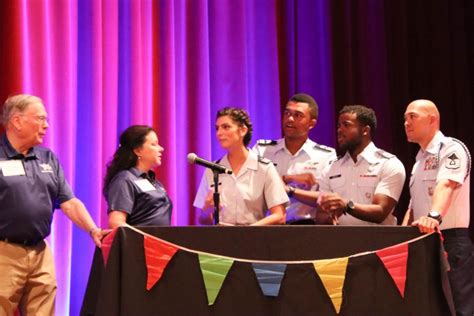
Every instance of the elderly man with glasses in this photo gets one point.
(32, 185)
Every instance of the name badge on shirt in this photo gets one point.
(12, 168)
(144, 185)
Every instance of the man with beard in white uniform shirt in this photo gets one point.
(363, 186)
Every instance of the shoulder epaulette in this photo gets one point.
(264, 160)
(468, 154)
(266, 142)
(322, 147)
(385, 154)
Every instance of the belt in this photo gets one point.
(24, 242)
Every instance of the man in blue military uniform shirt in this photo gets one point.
(32, 185)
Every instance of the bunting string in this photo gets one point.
(263, 261)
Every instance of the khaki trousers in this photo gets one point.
(27, 279)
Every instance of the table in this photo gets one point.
(119, 289)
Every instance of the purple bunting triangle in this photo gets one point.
(269, 277)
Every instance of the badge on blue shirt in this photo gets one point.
(46, 168)
(144, 185)
(12, 168)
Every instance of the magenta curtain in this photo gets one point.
(101, 66)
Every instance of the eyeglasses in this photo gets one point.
(40, 118)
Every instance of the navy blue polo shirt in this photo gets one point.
(27, 202)
(141, 196)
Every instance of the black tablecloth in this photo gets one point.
(120, 289)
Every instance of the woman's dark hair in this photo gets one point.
(124, 157)
(241, 118)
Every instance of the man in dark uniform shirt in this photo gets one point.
(32, 185)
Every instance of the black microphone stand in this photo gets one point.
(216, 196)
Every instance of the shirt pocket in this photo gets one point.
(429, 181)
(367, 186)
(336, 183)
(430, 176)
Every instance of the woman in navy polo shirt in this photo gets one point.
(133, 194)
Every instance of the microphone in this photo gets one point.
(193, 158)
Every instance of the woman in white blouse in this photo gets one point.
(254, 186)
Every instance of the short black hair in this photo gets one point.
(365, 115)
(306, 98)
(241, 117)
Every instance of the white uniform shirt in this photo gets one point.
(375, 172)
(444, 158)
(244, 198)
(311, 158)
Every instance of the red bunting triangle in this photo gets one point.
(107, 244)
(157, 256)
(395, 261)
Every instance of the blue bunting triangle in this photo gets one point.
(269, 277)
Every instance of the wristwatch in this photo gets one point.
(435, 215)
(350, 206)
(291, 190)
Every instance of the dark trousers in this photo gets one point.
(458, 245)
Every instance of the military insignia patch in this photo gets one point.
(266, 142)
(453, 162)
(431, 163)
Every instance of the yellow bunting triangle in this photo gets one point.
(333, 273)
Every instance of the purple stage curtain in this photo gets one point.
(101, 66)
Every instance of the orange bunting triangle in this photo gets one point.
(107, 244)
(395, 261)
(333, 273)
(157, 256)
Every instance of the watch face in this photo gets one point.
(350, 204)
(435, 215)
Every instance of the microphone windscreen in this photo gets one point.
(192, 157)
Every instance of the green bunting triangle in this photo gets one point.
(214, 270)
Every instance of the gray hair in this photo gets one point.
(17, 103)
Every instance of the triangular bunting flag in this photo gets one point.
(269, 277)
(395, 261)
(107, 244)
(157, 256)
(333, 273)
(214, 270)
